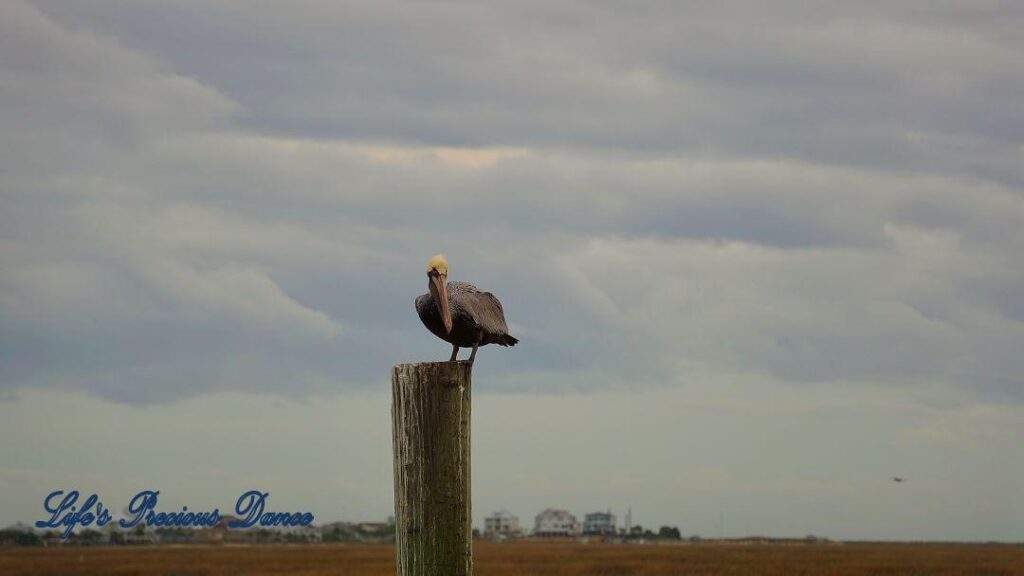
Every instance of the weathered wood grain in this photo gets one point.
(430, 417)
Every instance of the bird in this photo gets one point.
(897, 479)
(460, 313)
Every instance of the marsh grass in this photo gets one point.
(527, 558)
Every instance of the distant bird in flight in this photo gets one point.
(459, 313)
(897, 479)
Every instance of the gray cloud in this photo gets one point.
(924, 85)
(792, 194)
(795, 232)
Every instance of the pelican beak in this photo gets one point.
(440, 285)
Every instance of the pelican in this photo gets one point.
(459, 313)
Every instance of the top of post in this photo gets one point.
(457, 373)
(408, 365)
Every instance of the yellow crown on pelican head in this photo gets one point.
(438, 262)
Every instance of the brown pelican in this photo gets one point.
(460, 313)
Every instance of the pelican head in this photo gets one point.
(437, 273)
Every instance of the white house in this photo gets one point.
(553, 522)
(501, 524)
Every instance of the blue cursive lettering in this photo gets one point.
(67, 515)
(251, 505)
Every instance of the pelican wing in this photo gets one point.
(483, 307)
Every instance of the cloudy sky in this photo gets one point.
(761, 259)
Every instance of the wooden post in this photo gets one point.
(430, 416)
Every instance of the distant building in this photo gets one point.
(140, 534)
(373, 529)
(375, 532)
(338, 532)
(175, 535)
(501, 524)
(553, 522)
(302, 534)
(220, 532)
(599, 523)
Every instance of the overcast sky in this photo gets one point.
(760, 259)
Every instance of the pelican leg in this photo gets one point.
(455, 352)
(476, 345)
